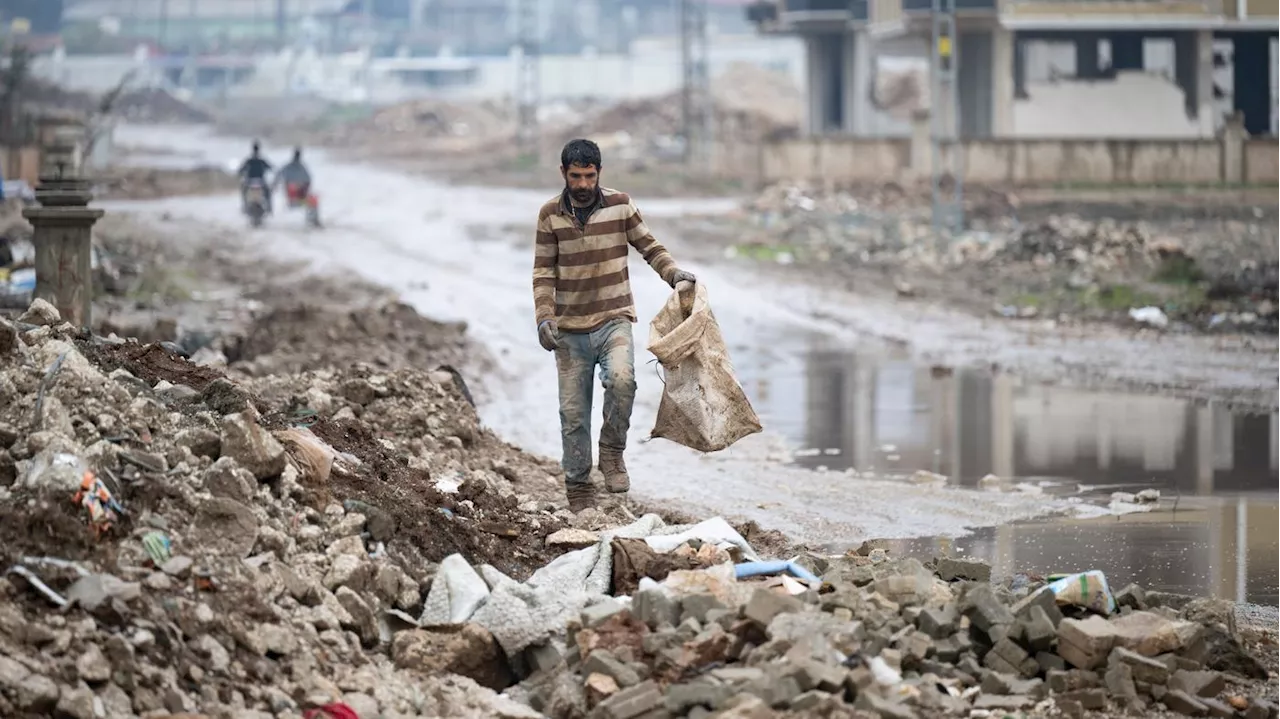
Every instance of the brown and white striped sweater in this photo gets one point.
(580, 274)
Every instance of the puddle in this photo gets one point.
(1214, 532)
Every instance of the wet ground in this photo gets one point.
(885, 410)
(1214, 530)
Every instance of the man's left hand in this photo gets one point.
(683, 276)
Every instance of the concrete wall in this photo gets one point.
(1134, 102)
(1261, 161)
(1007, 162)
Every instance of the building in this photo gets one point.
(1112, 67)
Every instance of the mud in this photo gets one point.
(150, 362)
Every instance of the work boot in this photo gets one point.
(616, 479)
(581, 496)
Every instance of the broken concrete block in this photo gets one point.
(698, 606)
(632, 702)
(1086, 643)
(655, 608)
(601, 661)
(765, 605)
(949, 569)
(1119, 680)
(1183, 703)
(1049, 661)
(1132, 596)
(1198, 683)
(1006, 657)
(1003, 703)
(1090, 699)
(1038, 631)
(1218, 709)
(600, 612)
(1149, 634)
(1144, 669)
(1043, 598)
(682, 697)
(984, 609)
(938, 623)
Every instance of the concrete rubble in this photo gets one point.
(288, 540)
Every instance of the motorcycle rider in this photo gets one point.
(254, 168)
(295, 175)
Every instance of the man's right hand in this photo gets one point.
(549, 335)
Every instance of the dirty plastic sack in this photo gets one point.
(1086, 589)
(703, 407)
(311, 455)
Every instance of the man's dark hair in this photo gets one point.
(580, 152)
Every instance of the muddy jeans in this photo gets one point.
(612, 349)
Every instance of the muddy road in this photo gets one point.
(856, 393)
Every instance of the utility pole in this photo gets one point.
(944, 120)
(528, 88)
(282, 17)
(696, 101)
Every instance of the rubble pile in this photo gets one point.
(150, 183)
(224, 556)
(897, 638)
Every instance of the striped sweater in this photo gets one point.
(580, 277)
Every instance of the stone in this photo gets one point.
(1198, 683)
(1119, 681)
(1218, 709)
(467, 649)
(1007, 684)
(279, 641)
(1038, 630)
(1091, 699)
(1049, 661)
(680, 698)
(1150, 634)
(602, 661)
(938, 622)
(633, 702)
(92, 666)
(11, 673)
(201, 441)
(252, 446)
(76, 703)
(362, 704)
(37, 693)
(698, 606)
(600, 612)
(363, 619)
(1211, 611)
(1006, 657)
(809, 701)
(348, 570)
(218, 659)
(179, 566)
(949, 569)
(1259, 709)
(1145, 669)
(1086, 643)
(225, 478)
(351, 545)
(1183, 703)
(570, 539)
(984, 609)
(1003, 703)
(655, 608)
(542, 658)
(225, 528)
(886, 708)
(1132, 596)
(42, 313)
(599, 687)
(1069, 708)
(764, 605)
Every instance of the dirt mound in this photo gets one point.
(302, 336)
(148, 184)
(150, 363)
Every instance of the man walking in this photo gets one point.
(582, 300)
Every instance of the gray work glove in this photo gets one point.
(683, 276)
(549, 335)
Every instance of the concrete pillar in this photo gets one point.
(62, 228)
(1087, 59)
(1251, 73)
(1204, 450)
(1002, 426)
(1126, 51)
(1193, 70)
(1002, 81)
(1233, 137)
(857, 96)
(921, 144)
(1019, 68)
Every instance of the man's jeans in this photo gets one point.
(612, 349)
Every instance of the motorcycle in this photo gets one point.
(300, 195)
(255, 202)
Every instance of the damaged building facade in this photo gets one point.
(1062, 68)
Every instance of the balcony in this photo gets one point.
(915, 6)
(807, 15)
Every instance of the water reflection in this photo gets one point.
(882, 413)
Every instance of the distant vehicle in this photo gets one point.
(300, 195)
(255, 201)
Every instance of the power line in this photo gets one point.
(528, 88)
(944, 121)
(696, 102)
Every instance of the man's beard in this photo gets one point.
(582, 196)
